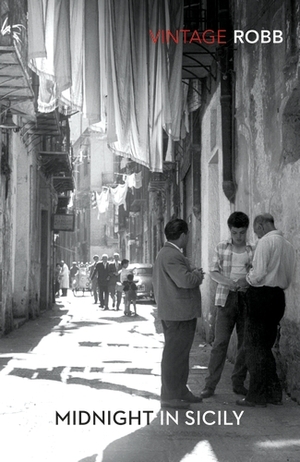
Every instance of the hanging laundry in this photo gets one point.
(36, 30)
(138, 103)
(119, 193)
(96, 57)
(124, 162)
(131, 180)
(91, 62)
(134, 180)
(71, 99)
(103, 200)
(54, 68)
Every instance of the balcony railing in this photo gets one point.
(15, 77)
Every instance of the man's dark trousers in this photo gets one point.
(179, 336)
(265, 308)
(103, 294)
(231, 315)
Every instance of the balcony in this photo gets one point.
(205, 23)
(16, 91)
(62, 184)
(157, 182)
(55, 160)
(55, 163)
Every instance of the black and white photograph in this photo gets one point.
(149, 230)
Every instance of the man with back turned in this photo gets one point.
(176, 289)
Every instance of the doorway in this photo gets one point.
(44, 273)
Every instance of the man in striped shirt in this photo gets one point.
(231, 262)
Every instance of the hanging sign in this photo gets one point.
(63, 222)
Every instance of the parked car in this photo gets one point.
(143, 276)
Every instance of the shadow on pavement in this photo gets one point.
(159, 443)
(56, 374)
(28, 336)
(150, 443)
(179, 442)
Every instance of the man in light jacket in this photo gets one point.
(177, 293)
(64, 278)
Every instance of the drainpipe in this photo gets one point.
(226, 66)
(196, 164)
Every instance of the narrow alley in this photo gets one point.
(79, 384)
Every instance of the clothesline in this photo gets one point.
(116, 195)
(97, 57)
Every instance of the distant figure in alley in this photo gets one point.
(64, 278)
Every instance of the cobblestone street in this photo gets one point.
(80, 384)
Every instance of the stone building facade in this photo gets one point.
(36, 178)
(265, 154)
(238, 150)
(267, 144)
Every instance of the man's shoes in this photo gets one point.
(191, 398)
(276, 402)
(243, 402)
(240, 390)
(206, 393)
(175, 403)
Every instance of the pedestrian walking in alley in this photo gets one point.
(94, 282)
(101, 271)
(123, 273)
(114, 277)
(57, 272)
(231, 261)
(130, 290)
(177, 293)
(271, 273)
(124, 270)
(74, 271)
(64, 278)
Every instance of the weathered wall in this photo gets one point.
(215, 206)
(34, 269)
(21, 237)
(6, 220)
(268, 140)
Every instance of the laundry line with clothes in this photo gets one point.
(115, 194)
